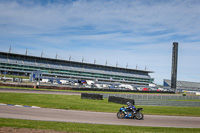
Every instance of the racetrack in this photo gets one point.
(38, 91)
(46, 114)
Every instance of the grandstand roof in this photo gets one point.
(73, 62)
(13, 63)
(183, 84)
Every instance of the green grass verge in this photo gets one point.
(72, 102)
(103, 92)
(98, 92)
(90, 128)
(16, 87)
(14, 76)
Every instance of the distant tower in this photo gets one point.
(174, 66)
(95, 61)
(70, 58)
(42, 53)
(26, 52)
(56, 56)
(106, 63)
(82, 59)
(10, 50)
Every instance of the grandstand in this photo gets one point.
(184, 85)
(18, 64)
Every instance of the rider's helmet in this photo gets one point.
(128, 103)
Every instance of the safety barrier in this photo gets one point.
(91, 96)
(120, 90)
(157, 100)
(167, 103)
(153, 97)
(120, 100)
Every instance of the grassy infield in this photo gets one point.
(76, 103)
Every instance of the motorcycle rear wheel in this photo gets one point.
(139, 116)
(120, 115)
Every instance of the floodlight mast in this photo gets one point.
(174, 66)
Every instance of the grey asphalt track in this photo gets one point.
(46, 114)
(38, 91)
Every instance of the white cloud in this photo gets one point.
(137, 32)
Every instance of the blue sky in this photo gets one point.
(134, 32)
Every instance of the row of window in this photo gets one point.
(67, 63)
(74, 73)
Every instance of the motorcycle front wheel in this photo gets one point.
(120, 115)
(139, 116)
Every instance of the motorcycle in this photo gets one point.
(128, 113)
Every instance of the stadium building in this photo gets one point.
(18, 64)
(183, 85)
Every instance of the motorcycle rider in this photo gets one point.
(130, 107)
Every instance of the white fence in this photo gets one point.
(159, 100)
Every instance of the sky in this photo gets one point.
(137, 34)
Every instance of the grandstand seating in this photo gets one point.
(25, 63)
(183, 84)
